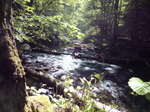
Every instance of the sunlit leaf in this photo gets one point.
(138, 86)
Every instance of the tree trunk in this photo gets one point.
(12, 76)
(115, 28)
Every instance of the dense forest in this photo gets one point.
(105, 34)
(117, 27)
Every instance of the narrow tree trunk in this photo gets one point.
(115, 28)
(12, 76)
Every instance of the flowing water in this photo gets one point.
(114, 82)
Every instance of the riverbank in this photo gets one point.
(81, 62)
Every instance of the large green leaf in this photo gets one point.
(138, 86)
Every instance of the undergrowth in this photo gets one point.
(71, 102)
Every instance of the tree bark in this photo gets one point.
(12, 76)
(115, 27)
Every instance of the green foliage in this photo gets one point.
(43, 21)
(70, 102)
(93, 21)
(98, 77)
(140, 87)
(63, 104)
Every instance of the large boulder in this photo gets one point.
(39, 103)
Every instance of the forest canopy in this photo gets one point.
(115, 27)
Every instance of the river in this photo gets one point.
(114, 81)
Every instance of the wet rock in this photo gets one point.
(42, 91)
(107, 85)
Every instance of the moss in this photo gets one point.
(39, 103)
(12, 57)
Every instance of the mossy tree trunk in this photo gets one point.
(12, 76)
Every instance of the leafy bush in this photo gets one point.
(32, 27)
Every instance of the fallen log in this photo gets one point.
(60, 87)
(49, 52)
(47, 79)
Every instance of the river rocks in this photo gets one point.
(34, 90)
(42, 91)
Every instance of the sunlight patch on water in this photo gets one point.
(68, 62)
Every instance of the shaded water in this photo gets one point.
(114, 82)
